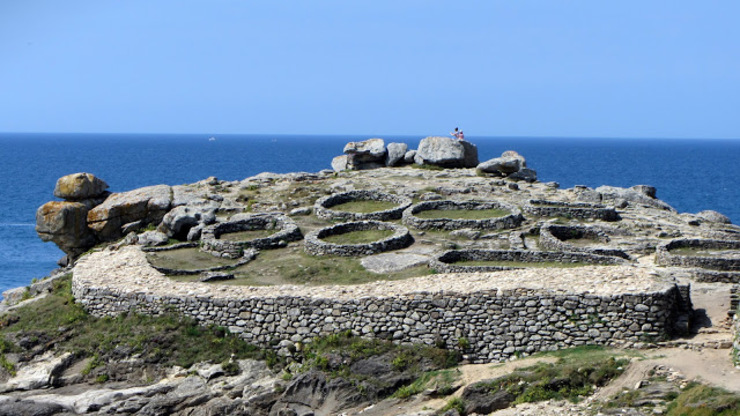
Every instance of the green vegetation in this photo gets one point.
(186, 259)
(520, 264)
(576, 373)
(364, 206)
(335, 354)
(454, 403)
(164, 340)
(291, 265)
(247, 235)
(442, 382)
(463, 214)
(700, 400)
(358, 237)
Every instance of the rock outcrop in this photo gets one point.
(148, 205)
(367, 154)
(446, 152)
(65, 224)
(80, 186)
(510, 164)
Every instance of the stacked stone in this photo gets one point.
(286, 230)
(497, 324)
(65, 222)
(445, 263)
(434, 150)
(314, 244)
(553, 237)
(323, 206)
(512, 220)
(664, 257)
(582, 210)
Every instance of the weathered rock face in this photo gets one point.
(65, 224)
(714, 216)
(79, 186)
(510, 164)
(178, 222)
(368, 154)
(396, 153)
(148, 204)
(446, 152)
(638, 194)
(340, 163)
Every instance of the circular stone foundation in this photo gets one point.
(512, 220)
(722, 255)
(562, 238)
(285, 230)
(316, 246)
(446, 262)
(323, 206)
(577, 210)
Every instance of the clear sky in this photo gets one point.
(501, 68)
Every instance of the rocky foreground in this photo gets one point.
(49, 370)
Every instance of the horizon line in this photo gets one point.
(368, 135)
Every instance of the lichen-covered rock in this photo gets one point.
(639, 194)
(446, 152)
(340, 163)
(149, 204)
(79, 186)
(525, 174)
(371, 150)
(178, 222)
(65, 224)
(714, 216)
(396, 153)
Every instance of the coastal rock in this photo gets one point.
(40, 373)
(639, 194)
(446, 152)
(65, 224)
(714, 216)
(527, 175)
(152, 238)
(409, 156)
(148, 204)
(396, 153)
(509, 162)
(371, 150)
(79, 186)
(340, 163)
(178, 222)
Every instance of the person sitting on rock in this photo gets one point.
(456, 133)
(461, 136)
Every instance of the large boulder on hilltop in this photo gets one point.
(65, 224)
(79, 186)
(367, 154)
(396, 152)
(371, 150)
(148, 205)
(714, 216)
(340, 163)
(508, 163)
(638, 194)
(446, 152)
(178, 222)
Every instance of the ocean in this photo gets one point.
(690, 174)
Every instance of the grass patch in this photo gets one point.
(165, 340)
(521, 264)
(701, 400)
(442, 382)
(291, 265)
(186, 259)
(576, 373)
(247, 235)
(358, 237)
(463, 214)
(703, 252)
(364, 206)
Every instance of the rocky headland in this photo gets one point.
(391, 275)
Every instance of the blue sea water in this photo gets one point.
(690, 174)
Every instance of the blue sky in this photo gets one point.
(500, 68)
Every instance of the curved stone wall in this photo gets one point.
(513, 220)
(501, 314)
(664, 257)
(287, 231)
(314, 244)
(445, 263)
(578, 210)
(554, 237)
(323, 210)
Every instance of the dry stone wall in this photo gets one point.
(496, 322)
(579, 210)
(446, 262)
(555, 237)
(512, 220)
(323, 206)
(314, 244)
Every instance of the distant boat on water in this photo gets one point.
(211, 139)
